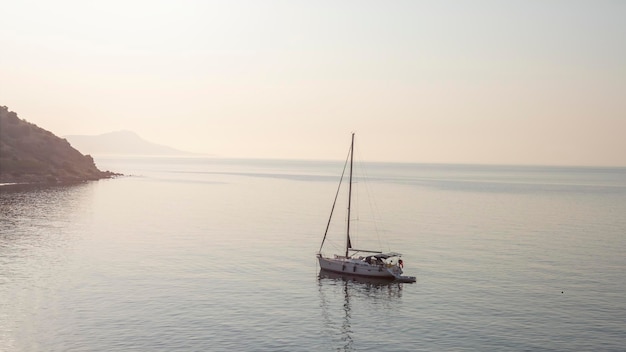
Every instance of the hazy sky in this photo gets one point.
(508, 82)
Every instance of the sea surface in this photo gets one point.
(207, 254)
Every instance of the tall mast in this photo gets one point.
(348, 244)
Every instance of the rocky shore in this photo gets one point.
(33, 155)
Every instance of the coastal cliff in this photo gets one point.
(30, 154)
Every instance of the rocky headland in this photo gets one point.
(30, 154)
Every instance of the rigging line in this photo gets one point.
(335, 201)
(371, 199)
(337, 247)
(374, 209)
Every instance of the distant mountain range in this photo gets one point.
(120, 143)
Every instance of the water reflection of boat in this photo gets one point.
(337, 309)
(361, 285)
(361, 262)
(364, 280)
(338, 327)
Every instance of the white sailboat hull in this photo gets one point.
(359, 267)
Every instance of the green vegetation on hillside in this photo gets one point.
(30, 154)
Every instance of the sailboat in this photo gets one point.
(361, 262)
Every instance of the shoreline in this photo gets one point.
(53, 180)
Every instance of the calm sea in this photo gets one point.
(203, 254)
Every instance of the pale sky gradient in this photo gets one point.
(490, 82)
